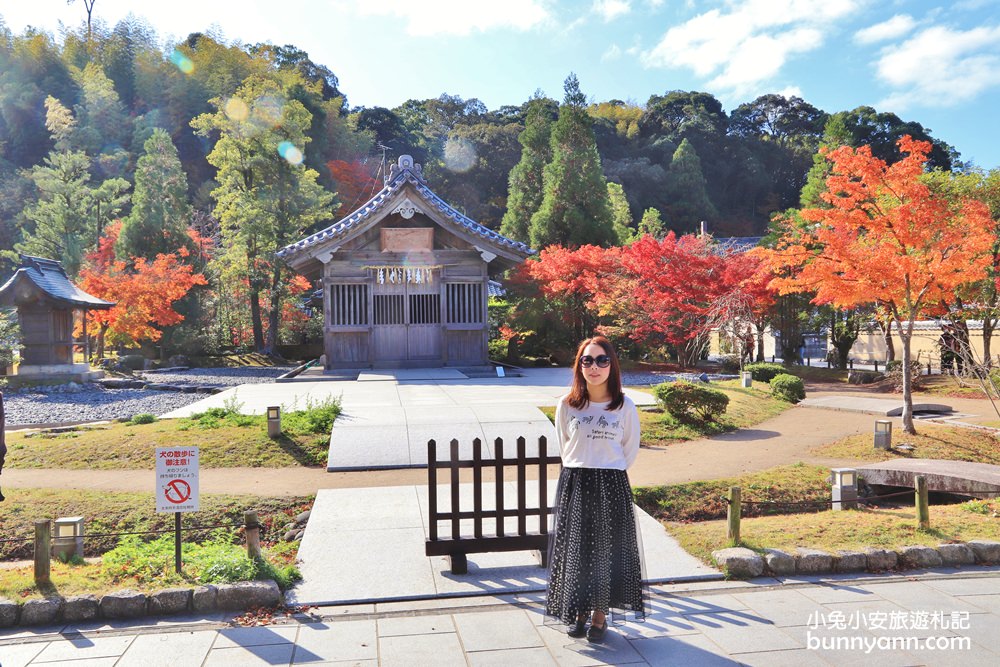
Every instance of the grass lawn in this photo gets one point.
(226, 439)
(702, 501)
(851, 529)
(747, 407)
(932, 441)
(118, 512)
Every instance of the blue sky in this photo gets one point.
(937, 63)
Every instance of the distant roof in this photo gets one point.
(405, 172)
(738, 243)
(495, 289)
(48, 276)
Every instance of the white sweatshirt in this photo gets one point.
(596, 437)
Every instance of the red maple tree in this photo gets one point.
(355, 184)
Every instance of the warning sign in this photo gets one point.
(176, 479)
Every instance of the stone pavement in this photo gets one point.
(938, 618)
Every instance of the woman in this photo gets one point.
(594, 561)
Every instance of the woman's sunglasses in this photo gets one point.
(603, 361)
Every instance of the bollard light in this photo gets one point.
(883, 434)
(746, 379)
(68, 538)
(845, 488)
(273, 422)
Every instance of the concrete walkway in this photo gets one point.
(939, 618)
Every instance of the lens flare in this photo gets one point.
(287, 150)
(266, 111)
(182, 62)
(237, 109)
(459, 155)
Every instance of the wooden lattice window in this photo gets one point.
(389, 309)
(425, 309)
(348, 305)
(465, 303)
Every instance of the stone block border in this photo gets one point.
(743, 563)
(132, 604)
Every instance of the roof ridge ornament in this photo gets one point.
(407, 208)
(403, 164)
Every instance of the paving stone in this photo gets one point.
(494, 630)
(987, 551)
(256, 636)
(72, 650)
(267, 655)
(123, 604)
(880, 560)
(203, 598)
(956, 554)
(779, 562)
(739, 562)
(167, 649)
(81, 608)
(248, 594)
(919, 556)
(522, 657)
(169, 601)
(337, 642)
(438, 650)
(811, 561)
(849, 561)
(415, 625)
(41, 612)
(8, 613)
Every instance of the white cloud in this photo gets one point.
(613, 52)
(897, 26)
(940, 67)
(788, 92)
(458, 17)
(749, 41)
(611, 9)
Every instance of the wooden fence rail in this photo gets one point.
(457, 546)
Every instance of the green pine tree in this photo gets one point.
(160, 211)
(689, 202)
(524, 193)
(575, 207)
(651, 224)
(621, 216)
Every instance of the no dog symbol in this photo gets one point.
(177, 491)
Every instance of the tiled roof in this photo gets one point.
(738, 243)
(378, 202)
(495, 289)
(48, 275)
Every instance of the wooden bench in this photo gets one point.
(457, 546)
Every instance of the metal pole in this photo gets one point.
(177, 541)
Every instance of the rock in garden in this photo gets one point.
(248, 594)
(303, 517)
(739, 562)
(81, 608)
(169, 601)
(8, 613)
(203, 598)
(920, 556)
(880, 560)
(956, 554)
(123, 604)
(987, 551)
(779, 562)
(811, 561)
(41, 612)
(849, 561)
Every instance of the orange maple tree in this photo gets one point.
(886, 239)
(354, 184)
(144, 291)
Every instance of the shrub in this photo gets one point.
(318, 416)
(729, 364)
(142, 418)
(686, 400)
(788, 388)
(763, 372)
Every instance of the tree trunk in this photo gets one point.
(274, 311)
(258, 325)
(908, 426)
(100, 340)
(988, 326)
(890, 347)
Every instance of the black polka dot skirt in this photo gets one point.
(595, 560)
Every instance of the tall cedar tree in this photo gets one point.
(266, 197)
(575, 208)
(688, 199)
(621, 216)
(886, 240)
(651, 224)
(524, 193)
(160, 213)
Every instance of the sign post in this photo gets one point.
(177, 487)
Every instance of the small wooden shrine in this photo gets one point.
(46, 301)
(405, 278)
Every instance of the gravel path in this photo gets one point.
(91, 402)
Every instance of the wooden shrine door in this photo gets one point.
(407, 318)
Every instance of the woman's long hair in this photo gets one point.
(578, 395)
